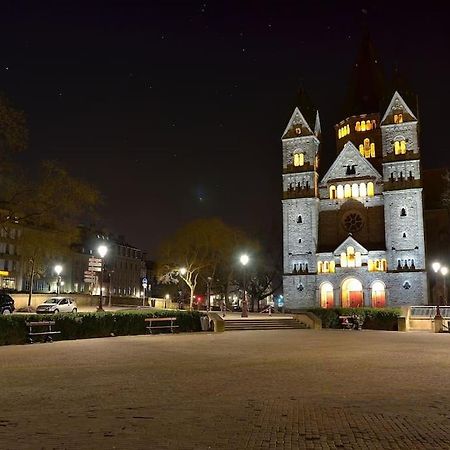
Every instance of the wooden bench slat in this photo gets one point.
(159, 319)
(36, 324)
(44, 333)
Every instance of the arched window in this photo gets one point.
(398, 118)
(340, 191)
(374, 124)
(362, 189)
(363, 125)
(348, 129)
(358, 259)
(378, 295)
(299, 219)
(319, 267)
(326, 295)
(402, 147)
(339, 133)
(332, 192)
(347, 191)
(372, 150)
(403, 213)
(370, 265)
(358, 126)
(355, 190)
(397, 147)
(404, 235)
(367, 149)
(370, 189)
(299, 159)
(343, 259)
(368, 125)
(350, 257)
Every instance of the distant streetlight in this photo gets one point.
(443, 270)
(102, 251)
(183, 271)
(58, 269)
(244, 259)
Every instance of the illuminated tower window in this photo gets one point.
(398, 118)
(367, 149)
(299, 159)
(358, 126)
(370, 189)
(363, 125)
(400, 147)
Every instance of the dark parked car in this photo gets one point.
(6, 304)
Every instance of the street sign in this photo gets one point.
(94, 260)
(92, 280)
(95, 269)
(144, 282)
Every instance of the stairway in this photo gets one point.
(263, 324)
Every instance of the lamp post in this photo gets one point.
(244, 259)
(102, 251)
(436, 266)
(208, 293)
(444, 271)
(58, 270)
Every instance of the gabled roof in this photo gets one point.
(398, 103)
(297, 121)
(350, 242)
(350, 156)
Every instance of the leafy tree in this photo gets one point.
(200, 250)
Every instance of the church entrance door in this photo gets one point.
(352, 294)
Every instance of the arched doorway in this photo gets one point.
(352, 293)
(326, 295)
(378, 295)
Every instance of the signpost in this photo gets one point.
(95, 264)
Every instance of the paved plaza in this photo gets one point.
(286, 389)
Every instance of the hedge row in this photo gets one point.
(93, 325)
(374, 318)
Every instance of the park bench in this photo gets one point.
(351, 322)
(346, 322)
(43, 329)
(160, 323)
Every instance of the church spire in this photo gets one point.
(367, 80)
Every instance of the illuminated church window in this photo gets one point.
(377, 265)
(398, 118)
(299, 159)
(358, 126)
(367, 149)
(352, 191)
(363, 126)
(400, 147)
(332, 192)
(326, 267)
(368, 125)
(351, 258)
(347, 191)
(326, 296)
(343, 131)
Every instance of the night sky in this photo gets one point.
(175, 110)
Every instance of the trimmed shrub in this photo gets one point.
(91, 325)
(374, 318)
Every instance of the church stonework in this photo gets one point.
(355, 237)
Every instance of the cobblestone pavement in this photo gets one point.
(283, 389)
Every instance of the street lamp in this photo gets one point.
(444, 271)
(183, 271)
(244, 259)
(58, 270)
(102, 251)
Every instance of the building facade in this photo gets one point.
(354, 237)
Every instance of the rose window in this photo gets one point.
(353, 222)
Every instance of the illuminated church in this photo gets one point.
(355, 235)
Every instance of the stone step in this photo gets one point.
(263, 324)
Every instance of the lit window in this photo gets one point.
(340, 191)
(358, 126)
(357, 259)
(347, 191)
(370, 189)
(372, 150)
(343, 259)
(350, 257)
(363, 126)
(339, 133)
(332, 192)
(362, 189)
(367, 149)
(355, 190)
(400, 147)
(398, 118)
(299, 159)
(368, 125)
(298, 130)
(326, 296)
(319, 267)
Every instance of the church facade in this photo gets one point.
(355, 236)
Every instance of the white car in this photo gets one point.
(57, 305)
